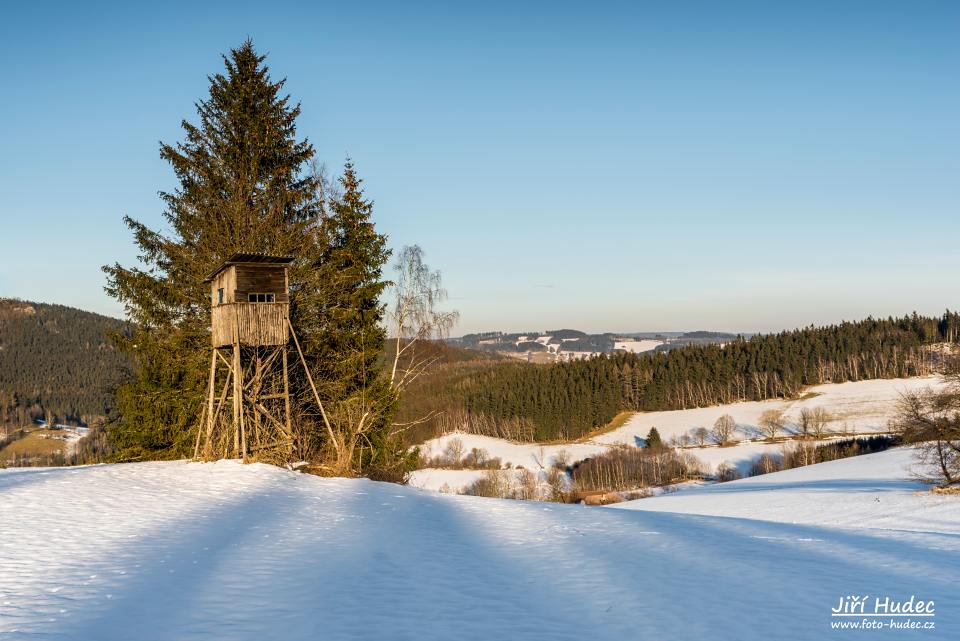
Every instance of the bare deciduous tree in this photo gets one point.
(723, 429)
(700, 435)
(527, 486)
(930, 420)
(726, 472)
(771, 423)
(415, 318)
(813, 422)
(414, 315)
(454, 450)
(766, 464)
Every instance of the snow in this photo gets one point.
(874, 491)
(532, 456)
(442, 480)
(857, 407)
(638, 346)
(175, 550)
(863, 406)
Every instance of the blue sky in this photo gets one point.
(606, 166)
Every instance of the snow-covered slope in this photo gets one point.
(159, 551)
(864, 406)
(860, 407)
(875, 491)
(638, 346)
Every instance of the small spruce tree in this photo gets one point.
(654, 442)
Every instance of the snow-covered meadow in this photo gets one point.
(856, 408)
(185, 551)
(164, 551)
(638, 346)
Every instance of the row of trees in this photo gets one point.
(813, 424)
(780, 365)
(630, 468)
(807, 452)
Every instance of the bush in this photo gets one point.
(493, 484)
(765, 464)
(453, 458)
(727, 472)
(629, 468)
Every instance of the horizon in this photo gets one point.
(631, 167)
(744, 333)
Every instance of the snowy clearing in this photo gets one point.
(638, 346)
(164, 551)
(875, 491)
(860, 407)
(864, 406)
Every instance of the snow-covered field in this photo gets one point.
(638, 346)
(861, 407)
(864, 406)
(180, 551)
(874, 491)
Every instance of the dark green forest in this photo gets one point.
(56, 362)
(568, 400)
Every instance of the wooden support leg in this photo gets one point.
(316, 396)
(255, 389)
(201, 426)
(216, 415)
(243, 427)
(286, 392)
(237, 397)
(208, 426)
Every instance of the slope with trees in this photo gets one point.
(56, 364)
(568, 400)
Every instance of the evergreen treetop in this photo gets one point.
(653, 439)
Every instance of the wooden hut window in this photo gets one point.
(260, 298)
(220, 296)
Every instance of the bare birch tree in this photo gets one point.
(415, 318)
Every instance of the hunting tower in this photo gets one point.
(250, 327)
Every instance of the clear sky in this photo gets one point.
(606, 166)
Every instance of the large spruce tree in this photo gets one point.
(243, 186)
(346, 333)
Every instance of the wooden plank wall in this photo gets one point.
(261, 279)
(227, 279)
(250, 324)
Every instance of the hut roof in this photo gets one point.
(245, 258)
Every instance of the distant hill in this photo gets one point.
(707, 334)
(56, 362)
(571, 344)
